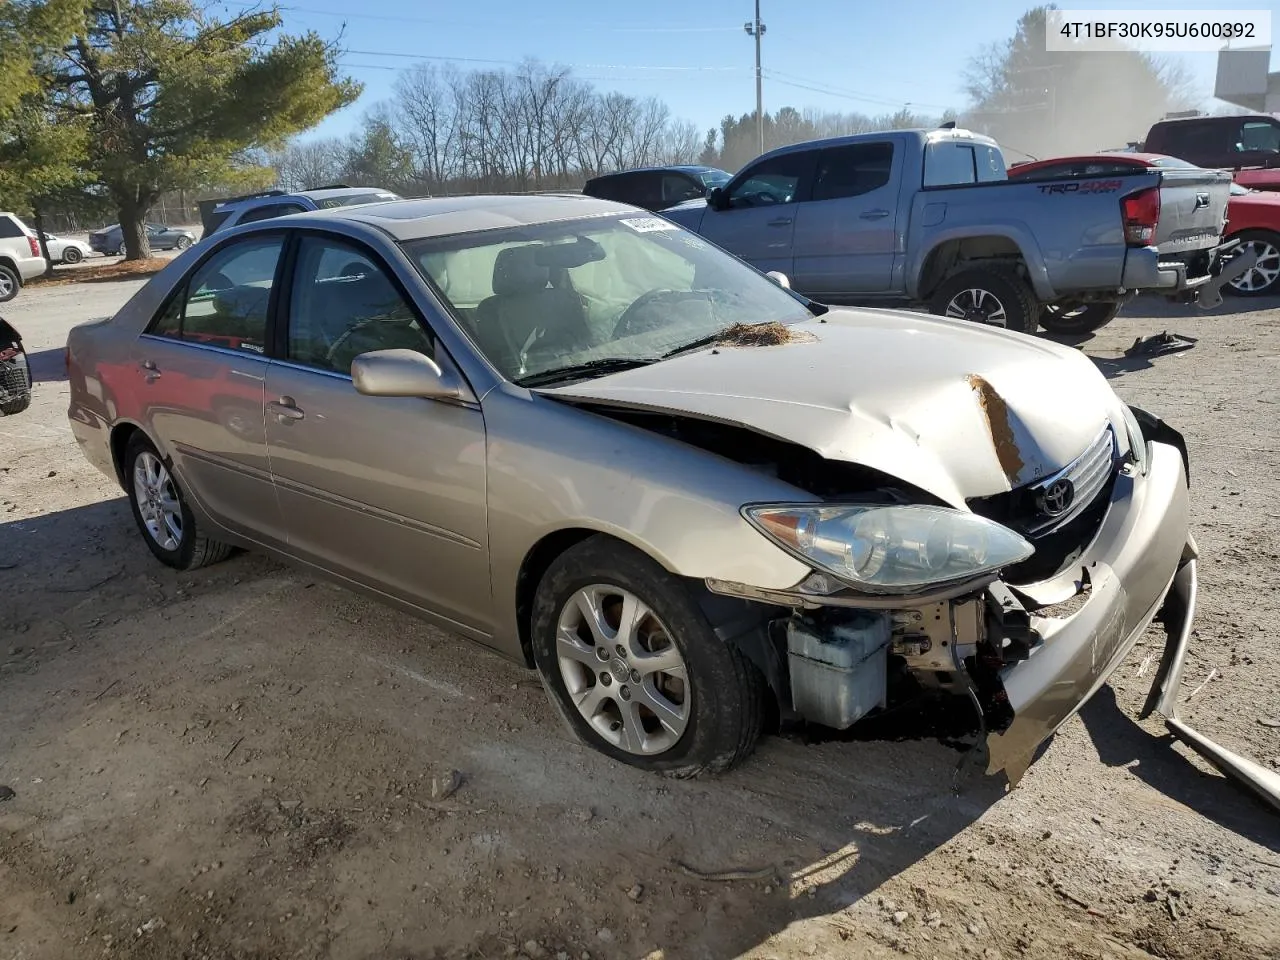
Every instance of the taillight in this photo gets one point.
(35, 245)
(1141, 212)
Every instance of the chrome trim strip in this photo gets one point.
(1088, 474)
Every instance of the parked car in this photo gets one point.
(690, 498)
(20, 258)
(66, 250)
(225, 214)
(1248, 145)
(1253, 216)
(15, 372)
(657, 188)
(110, 240)
(931, 217)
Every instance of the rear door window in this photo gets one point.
(853, 170)
(270, 211)
(11, 227)
(948, 164)
(224, 303)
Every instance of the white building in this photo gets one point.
(1245, 80)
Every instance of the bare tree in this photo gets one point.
(308, 164)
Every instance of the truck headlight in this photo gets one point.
(890, 549)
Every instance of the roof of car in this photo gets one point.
(681, 167)
(443, 216)
(326, 193)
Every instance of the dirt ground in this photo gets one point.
(243, 762)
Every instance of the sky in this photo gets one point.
(870, 56)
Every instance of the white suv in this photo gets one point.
(276, 203)
(20, 258)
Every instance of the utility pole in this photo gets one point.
(755, 29)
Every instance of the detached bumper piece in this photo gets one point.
(1178, 615)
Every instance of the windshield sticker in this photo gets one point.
(649, 224)
(690, 240)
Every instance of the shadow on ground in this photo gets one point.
(48, 366)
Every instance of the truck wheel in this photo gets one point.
(996, 296)
(1264, 276)
(1077, 318)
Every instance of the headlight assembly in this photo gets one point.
(890, 548)
(1137, 442)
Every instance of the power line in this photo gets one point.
(819, 86)
(404, 18)
(583, 66)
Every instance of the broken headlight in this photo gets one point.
(1137, 442)
(890, 549)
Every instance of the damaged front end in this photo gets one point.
(1031, 644)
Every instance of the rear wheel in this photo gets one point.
(15, 385)
(1264, 276)
(1077, 318)
(182, 243)
(161, 511)
(635, 667)
(995, 296)
(9, 283)
(72, 255)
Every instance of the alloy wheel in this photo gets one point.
(157, 499)
(7, 287)
(978, 306)
(1263, 273)
(623, 672)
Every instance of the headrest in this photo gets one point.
(517, 271)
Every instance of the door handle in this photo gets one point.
(873, 215)
(285, 409)
(780, 222)
(150, 372)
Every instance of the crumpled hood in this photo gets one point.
(951, 407)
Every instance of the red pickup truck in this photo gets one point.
(1249, 145)
(1253, 216)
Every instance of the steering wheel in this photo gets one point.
(633, 316)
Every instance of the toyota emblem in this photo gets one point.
(1057, 498)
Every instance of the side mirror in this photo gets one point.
(715, 199)
(404, 373)
(780, 278)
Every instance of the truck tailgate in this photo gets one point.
(1193, 206)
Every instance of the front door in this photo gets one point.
(846, 236)
(757, 219)
(387, 491)
(201, 370)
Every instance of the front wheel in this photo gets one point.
(994, 296)
(15, 385)
(182, 243)
(1077, 318)
(1264, 276)
(72, 255)
(635, 667)
(161, 512)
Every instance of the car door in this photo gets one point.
(756, 218)
(846, 234)
(200, 369)
(386, 491)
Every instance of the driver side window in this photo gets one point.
(782, 179)
(344, 304)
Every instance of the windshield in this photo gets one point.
(546, 297)
(714, 178)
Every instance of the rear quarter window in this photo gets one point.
(12, 227)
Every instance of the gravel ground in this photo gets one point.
(245, 762)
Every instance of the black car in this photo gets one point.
(656, 188)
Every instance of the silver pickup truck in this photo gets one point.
(931, 217)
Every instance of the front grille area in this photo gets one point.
(1058, 536)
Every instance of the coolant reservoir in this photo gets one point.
(838, 670)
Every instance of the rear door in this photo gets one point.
(758, 219)
(387, 491)
(846, 235)
(199, 370)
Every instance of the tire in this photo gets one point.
(17, 402)
(72, 255)
(722, 698)
(10, 283)
(981, 286)
(1263, 279)
(182, 243)
(190, 549)
(1082, 318)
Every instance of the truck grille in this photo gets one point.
(1060, 514)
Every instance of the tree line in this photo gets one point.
(531, 128)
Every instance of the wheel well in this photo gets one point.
(6, 262)
(952, 255)
(121, 434)
(535, 564)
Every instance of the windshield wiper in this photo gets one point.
(588, 368)
(695, 344)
